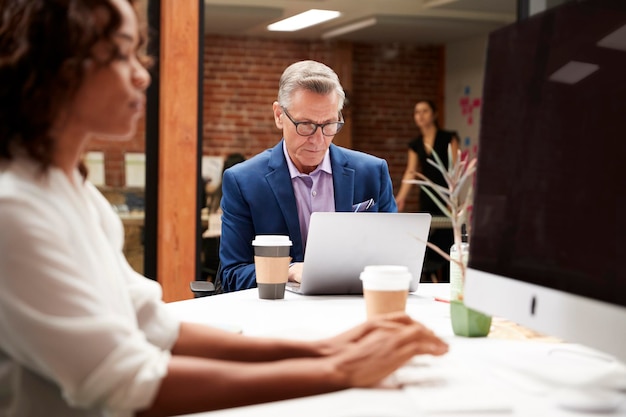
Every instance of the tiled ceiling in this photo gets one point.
(404, 21)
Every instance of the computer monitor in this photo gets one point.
(548, 235)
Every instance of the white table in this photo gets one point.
(483, 376)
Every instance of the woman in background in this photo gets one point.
(421, 148)
(82, 334)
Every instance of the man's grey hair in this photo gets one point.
(311, 76)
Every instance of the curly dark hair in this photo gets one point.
(43, 47)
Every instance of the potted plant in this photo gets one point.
(455, 200)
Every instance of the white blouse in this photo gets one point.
(81, 333)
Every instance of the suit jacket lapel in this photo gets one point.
(280, 183)
(343, 180)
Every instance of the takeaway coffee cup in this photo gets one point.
(271, 261)
(385, 288)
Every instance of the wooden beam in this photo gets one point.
(178, 148)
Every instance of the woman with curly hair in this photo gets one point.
(82, 334)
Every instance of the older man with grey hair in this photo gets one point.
(276, 191)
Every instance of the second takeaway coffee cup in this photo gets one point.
(271, 262)
(385, 288)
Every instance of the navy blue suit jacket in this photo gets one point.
(258, 199)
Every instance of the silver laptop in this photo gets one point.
(340, 245)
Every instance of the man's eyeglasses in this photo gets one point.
(309, 128)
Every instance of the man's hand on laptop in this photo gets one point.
(295, 271)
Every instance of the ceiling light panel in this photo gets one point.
(573, 72)
(303, 20)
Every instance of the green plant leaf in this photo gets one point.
(442, 192)
(454, 200)
(440, 168)
(438, 202)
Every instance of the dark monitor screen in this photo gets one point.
(547, 243)
(550, 205)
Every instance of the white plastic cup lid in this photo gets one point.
(386, 277)
(271, 240)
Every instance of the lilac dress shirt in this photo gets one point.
(313, 192)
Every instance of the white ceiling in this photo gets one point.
(404, 21)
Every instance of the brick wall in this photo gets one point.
(240, 84)
(388, 80)
(241, 81)
(114, 151)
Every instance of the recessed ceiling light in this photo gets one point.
(303, 20)
(573, 72)
(615, 40)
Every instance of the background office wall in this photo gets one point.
(241, 78)
(114, 152)
(465, 66)
(241, 81)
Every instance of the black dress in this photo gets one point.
(443, 238)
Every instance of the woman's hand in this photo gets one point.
(369, 353)
(270, 369)
(400, 202)
(394, 320)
